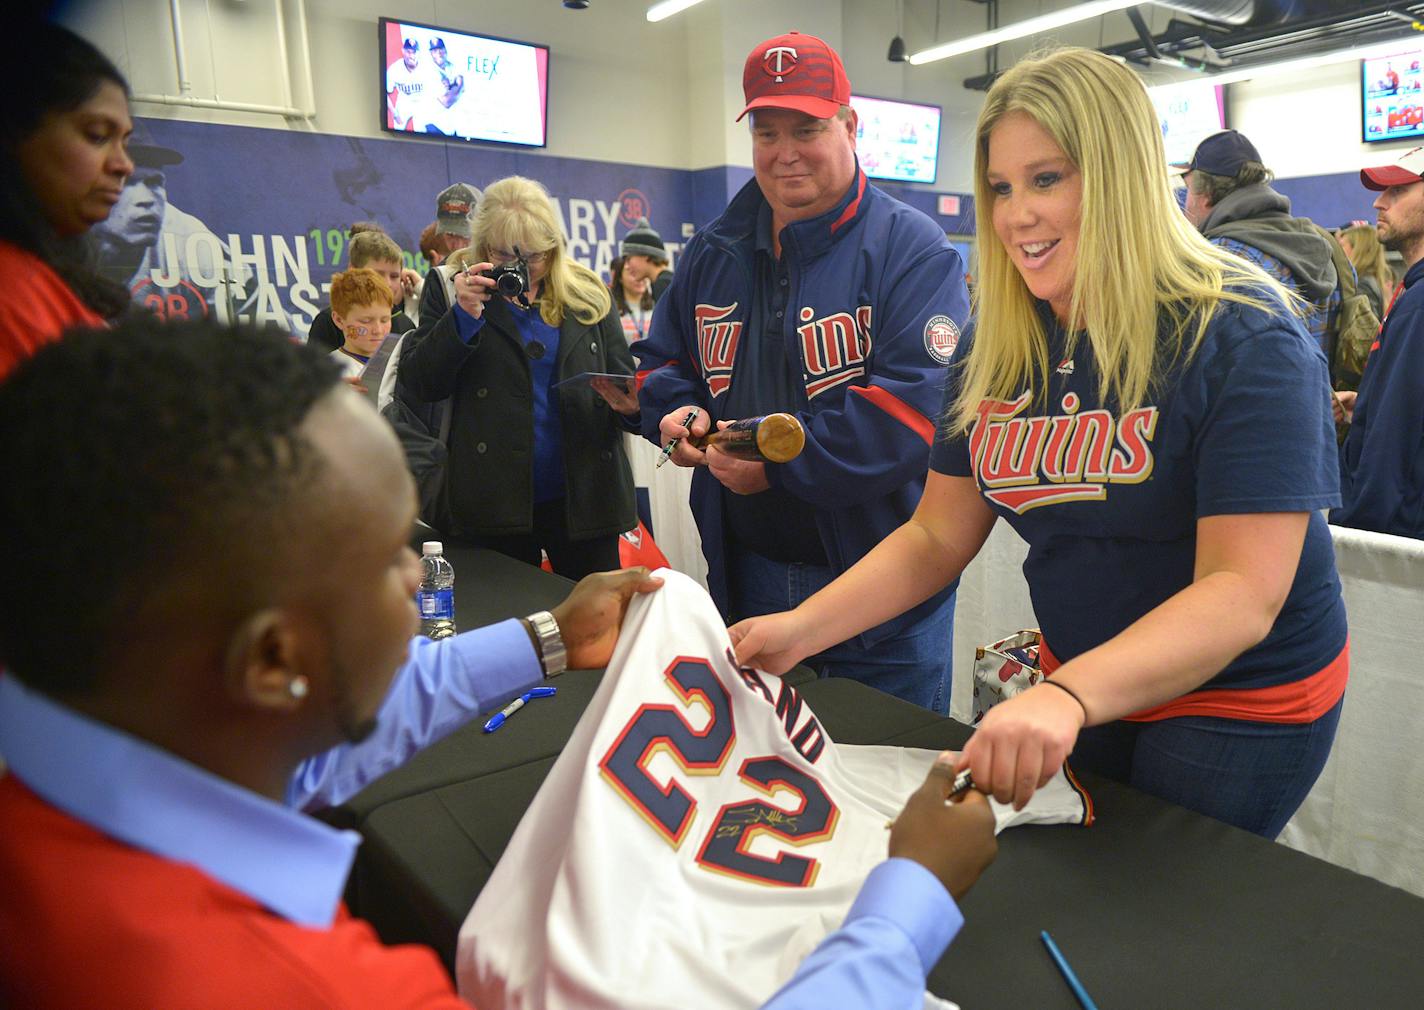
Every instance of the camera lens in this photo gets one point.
(510, 284)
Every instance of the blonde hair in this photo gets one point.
(357, 288)
(1367, 253)
(516, 212)
(1140, 263)
(372, 247)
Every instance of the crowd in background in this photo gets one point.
(532, 399)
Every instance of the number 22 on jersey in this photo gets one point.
(670, 810)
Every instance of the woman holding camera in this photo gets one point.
(532, 464)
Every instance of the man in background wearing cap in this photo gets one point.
(405, 89)
(171, 263)
(449, 233)
(454, 210)
(645, 258)
(1230, 200)
(816, 294)
(1382, 460)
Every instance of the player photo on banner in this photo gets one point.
(170, 261)
(471, 87)
(245, 224)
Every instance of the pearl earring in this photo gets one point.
(297, 687)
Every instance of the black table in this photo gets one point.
(1154, 906)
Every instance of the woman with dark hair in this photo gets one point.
(633, 297)
(64, 128)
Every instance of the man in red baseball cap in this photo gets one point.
(796, 88)
(816, 294)
(1382, 460)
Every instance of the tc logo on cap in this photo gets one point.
(779, 61)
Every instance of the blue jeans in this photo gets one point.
(1254, 775)
(914, 665)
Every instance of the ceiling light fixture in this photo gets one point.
(1021, 29)
(898, 53)
(666, 9)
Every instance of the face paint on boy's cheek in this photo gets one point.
(360, 331)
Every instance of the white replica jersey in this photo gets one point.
(444, 118)
(411, 87)
(698, 836)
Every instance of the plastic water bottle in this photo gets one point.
(436, 596)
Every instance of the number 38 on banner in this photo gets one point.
(670, 810)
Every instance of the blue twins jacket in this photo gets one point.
(876, 305)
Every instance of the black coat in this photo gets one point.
(489, 485)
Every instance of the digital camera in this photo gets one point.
(511, 279)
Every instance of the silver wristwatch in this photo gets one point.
(550, 643)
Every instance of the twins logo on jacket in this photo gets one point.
(834, 348)
(1024, 462)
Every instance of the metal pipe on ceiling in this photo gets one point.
(1256, 13)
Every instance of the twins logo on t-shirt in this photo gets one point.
(1025, 462)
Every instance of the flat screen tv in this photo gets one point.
(897, 140)
(1391, 97)
(1188, 114)
(447, 83)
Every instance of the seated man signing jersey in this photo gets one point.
(233, 641)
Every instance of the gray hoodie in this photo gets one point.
(1258, 216)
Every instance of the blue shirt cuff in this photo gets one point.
(910, 896)
(466, 325)
(499, 682)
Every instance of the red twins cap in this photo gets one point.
(795, 71)
(1407, 169)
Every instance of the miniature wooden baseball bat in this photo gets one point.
(777, 438)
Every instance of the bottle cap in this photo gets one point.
(432, 547)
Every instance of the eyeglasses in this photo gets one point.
(499, 257)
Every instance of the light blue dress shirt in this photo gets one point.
(899, 927)
(284, 860)
(441, 686)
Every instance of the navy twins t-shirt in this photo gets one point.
(1108, 499)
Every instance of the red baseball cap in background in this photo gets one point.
(795, 71)
(1407, 169)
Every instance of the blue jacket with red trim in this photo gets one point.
(875, 309)
(1382, 460)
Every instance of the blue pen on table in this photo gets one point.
(1067, 972)
(497, 720)
(667, 449)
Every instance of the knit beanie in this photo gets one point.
(643, 241)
